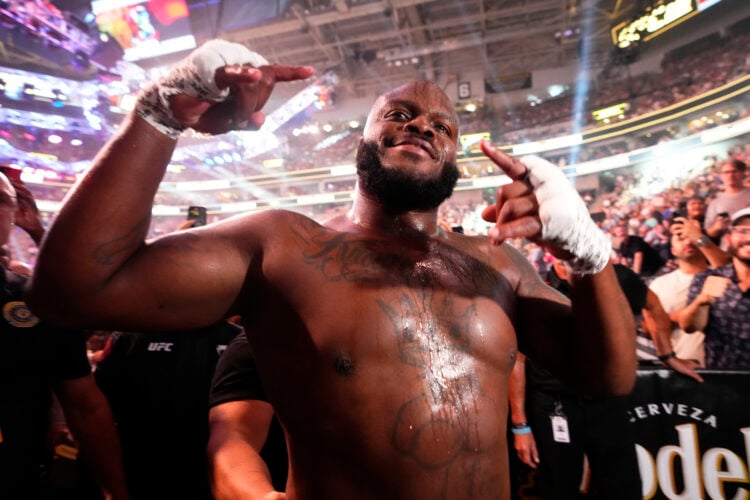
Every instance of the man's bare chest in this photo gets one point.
(372, 262)
(416, 299)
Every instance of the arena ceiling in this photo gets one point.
(374, 44)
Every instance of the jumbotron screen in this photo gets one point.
(658, 18)
(145, 28)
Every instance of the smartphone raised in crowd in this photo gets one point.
(198, 214)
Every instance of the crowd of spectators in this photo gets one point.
(622, 204)
(638, 221)
(680, 77)
(689, 72)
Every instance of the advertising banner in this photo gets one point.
(692, 440)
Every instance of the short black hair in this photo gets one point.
(740, 165)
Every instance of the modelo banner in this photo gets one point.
(692, 440)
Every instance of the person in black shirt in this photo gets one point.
(242, 423)
(38, 359)
(158, 384)
(641, 257)
(554, 425)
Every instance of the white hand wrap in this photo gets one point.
(566, 222)
(194, 76)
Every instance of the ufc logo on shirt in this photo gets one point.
(161, 346)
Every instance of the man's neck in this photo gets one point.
(692, 266)
(743, 272)
(371, 215)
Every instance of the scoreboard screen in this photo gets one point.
(657, 18)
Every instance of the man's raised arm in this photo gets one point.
(591, 343)
(95, 267)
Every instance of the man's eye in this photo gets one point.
(399, 115)
(443, 128)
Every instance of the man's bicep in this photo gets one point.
(543, 324)
(248, 418)
(541, 315)
(180, 281)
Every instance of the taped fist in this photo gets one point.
(541, 205)
(221, 86)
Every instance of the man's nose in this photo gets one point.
(420, 125)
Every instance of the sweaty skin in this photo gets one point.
(385, 344)
(410, 361)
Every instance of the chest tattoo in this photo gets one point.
(381, 262)
(430, 299)
(439, 426)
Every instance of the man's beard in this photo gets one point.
(735, 252)
(399, 190)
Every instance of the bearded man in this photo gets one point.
(719, 304)
(384, 344)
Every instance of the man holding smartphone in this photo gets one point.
(718, 303)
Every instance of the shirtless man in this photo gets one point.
(392, 340)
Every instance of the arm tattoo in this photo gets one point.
(107, 253)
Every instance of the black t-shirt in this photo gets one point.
(158, 385)
(236, 378)
(652, 261)
(34, 358)
(635, 290)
